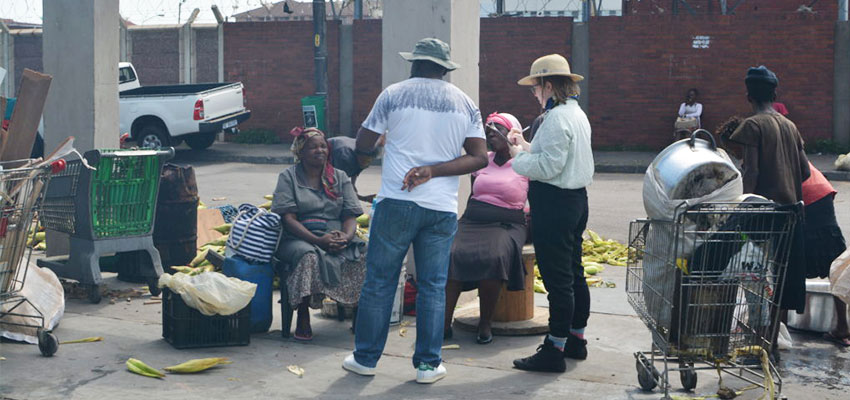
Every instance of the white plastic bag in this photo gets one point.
(210, 293)
(842, 163)
(839, 277)
(44, 291)
(659, 206)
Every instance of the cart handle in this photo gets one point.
(692, 141)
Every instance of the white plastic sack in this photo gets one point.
(842, 163)
(210, 293)
(43, 289)
(839, 277)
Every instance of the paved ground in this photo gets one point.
(813, 369)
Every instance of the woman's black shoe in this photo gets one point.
(575, 348)
(547, 359)
(484, 340)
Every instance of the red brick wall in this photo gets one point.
(367, 68)
(27, 55)
(156, 55)
(746, 7)
(641, 67)
(274, 60)
(508, 47)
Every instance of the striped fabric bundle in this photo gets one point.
(254, 234)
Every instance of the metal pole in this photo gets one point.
(842, 10)
(722, 7)
(320, 52)
(585, 10)
(358, 9)
(500, 7)
(220, 50)
(8, 60)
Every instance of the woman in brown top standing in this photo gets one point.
(774, 166)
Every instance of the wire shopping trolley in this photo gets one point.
(21, 191)
(707, 286)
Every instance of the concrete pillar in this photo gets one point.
(123, 50)
(580, 60)
(187, 49)
(346, 79)
(220, 41)
(455, 22)
(7, 61)
(83, 98)
(841, 75)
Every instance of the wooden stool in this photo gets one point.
(518, 305)
(515, 312)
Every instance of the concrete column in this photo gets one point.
(83, 98)
(123, 51)
(841, 75)
(346, 79)
(580, 60)
(220, 41)
(455, 22)
(7, 60)
(187, 49)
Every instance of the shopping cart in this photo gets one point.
(107, 206)
(21, 191)
(707, 285)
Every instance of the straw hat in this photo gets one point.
(434, 50)
(551, 65)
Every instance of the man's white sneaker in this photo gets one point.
(350, 364)
(428, 374)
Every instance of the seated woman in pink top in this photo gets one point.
(487, 249)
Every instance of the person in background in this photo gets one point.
(487, 251)
(428, 123)
(344, 157)
(774, 165)
(320, 253)
(690, 114)
(559, 165)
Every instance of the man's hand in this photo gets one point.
(367, 198)
(415, 177)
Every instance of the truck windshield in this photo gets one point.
(126, 75)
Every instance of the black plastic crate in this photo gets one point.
(185, 327)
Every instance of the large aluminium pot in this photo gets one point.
(689, 171)
(820, 309)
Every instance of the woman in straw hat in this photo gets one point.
(559, 165)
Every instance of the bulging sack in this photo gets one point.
(210, 293)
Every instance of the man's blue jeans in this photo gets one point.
(395, 225)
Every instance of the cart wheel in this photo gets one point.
(153, 287)
(94, 295)
(688, 378)
(47, 343)
(645, 379)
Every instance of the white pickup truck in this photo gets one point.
(158, 116)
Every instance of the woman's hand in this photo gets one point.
(339, 241)
(516, 139)
(515, 150)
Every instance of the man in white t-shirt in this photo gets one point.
(427, 122)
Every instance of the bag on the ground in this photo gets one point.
(46, 297)
(254, 234)
(210, 293)
(842, 163)
(839, 277)
(262, 275)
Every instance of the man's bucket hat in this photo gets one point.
(434, 50)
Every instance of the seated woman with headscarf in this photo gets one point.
(320, 253)
(487, 250)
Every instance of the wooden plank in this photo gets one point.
(25, 117)
(208, 219)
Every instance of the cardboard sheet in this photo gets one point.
(208, 219)
(25, 117)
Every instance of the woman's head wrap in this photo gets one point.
(302, 135)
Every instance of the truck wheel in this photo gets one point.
(200, 141)
(152, 137)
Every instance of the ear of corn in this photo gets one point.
(138, 367)
(267, 205)
(200, 257)
(223, 229)
(197, 365)
(182, 268)
(269, 197)
(85, 340)
(219, 242)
